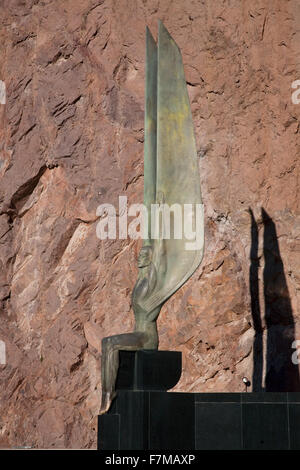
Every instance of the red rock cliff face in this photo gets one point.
(71, 138)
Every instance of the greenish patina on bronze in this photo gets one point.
(171, 176)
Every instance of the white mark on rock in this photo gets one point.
(2, 353)
(2, 92)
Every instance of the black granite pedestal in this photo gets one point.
(247, 421)
(144, 416)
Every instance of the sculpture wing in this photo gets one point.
(150, 136)
(177, 174)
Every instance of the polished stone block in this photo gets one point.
(294, 426)
(218, 426)
(148, 370)
(128, 421)
(132, 407)
(149, 420)
(166, 421)
(218, 397)
(172, 421)
(265, 426)
(293, 397)
(125, 378)
(108, 432)
(264, 397)
(145, 416)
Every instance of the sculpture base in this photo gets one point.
(148, 420)
(142, 419)
(144, 415)
(148, 369)
(247, 421)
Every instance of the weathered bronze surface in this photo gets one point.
(171, 176)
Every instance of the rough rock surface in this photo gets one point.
(71, 138)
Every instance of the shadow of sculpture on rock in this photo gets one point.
(281, 375)
(257, 376)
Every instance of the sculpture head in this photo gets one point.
(145, 256)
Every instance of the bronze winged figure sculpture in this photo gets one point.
(171, 179)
